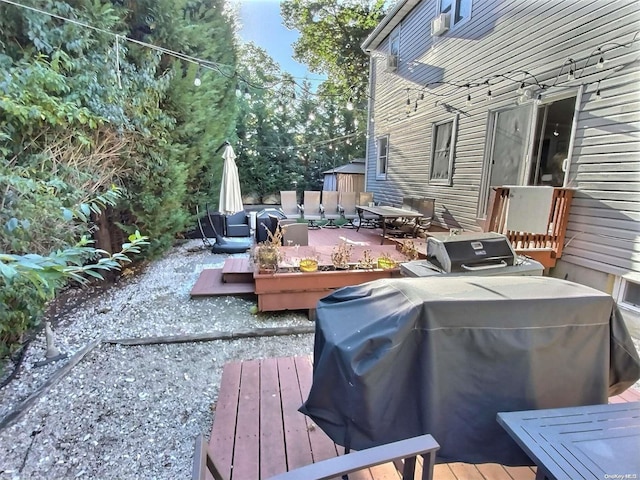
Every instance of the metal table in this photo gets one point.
(387, 213)
(591, 442)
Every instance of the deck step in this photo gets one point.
(237, 270)
(210, 284)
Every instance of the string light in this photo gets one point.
(598, 95)
(312, 116)
(468, 102)
(555, 131)
(600, 64)
(571, 75)
(350, 103)
(197, 81)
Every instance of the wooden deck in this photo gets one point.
(258, 431)
(236, 277)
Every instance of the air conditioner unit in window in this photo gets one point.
(440, 24)
(392, 63)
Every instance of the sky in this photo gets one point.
(262, 25)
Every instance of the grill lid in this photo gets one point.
(467, 252)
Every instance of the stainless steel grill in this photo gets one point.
(471, 254)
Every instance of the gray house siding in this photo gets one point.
(500, 41)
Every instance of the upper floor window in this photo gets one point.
(443, 139)
(394, 42)
(459, 10)
(383, 157)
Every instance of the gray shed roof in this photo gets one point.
(355, 167)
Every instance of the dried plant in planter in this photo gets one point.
(409, 250)
(267, 254)
(341, 255)
(367, 261)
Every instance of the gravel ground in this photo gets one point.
(133, 412)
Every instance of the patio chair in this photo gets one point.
(402, 227)
(407, 450)
(289, 204)
(226, 244)
(329, 208)
(368, 220)
(347, 208)
(295, 234)
(237, 225)
(311, 208)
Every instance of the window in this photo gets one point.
(627, 294)
(383, 157)
(443, 139)
(394, 42)
(459, 10)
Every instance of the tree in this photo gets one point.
(331, 32)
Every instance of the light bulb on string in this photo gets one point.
(571, 75)
(521, 88)
(555, 131)
(598, 95)
(489, 95)
(247, 95)
(468, 102)
(415, 108)
(355, 122)
(600, 64)
(539, 99)
(197, 81)
(350, 104)
(238, 91)
(312, 116)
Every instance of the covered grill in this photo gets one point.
(397, 358)
(471, 253)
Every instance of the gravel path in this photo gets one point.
(133, 412)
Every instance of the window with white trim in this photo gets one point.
(627, 294)
(459, 10)
(443, 140)
(383, 157)
(394, 42)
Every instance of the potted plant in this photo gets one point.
(385, 262)
(267, 254)
(367, 262)
(341, 255)
(409, 250)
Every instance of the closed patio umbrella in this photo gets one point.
(230, 195)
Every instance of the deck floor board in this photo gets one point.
(258, 432)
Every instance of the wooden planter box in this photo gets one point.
(302, 290)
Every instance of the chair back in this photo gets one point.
(330, 201)
(295, 234)
(348, 203)
(365, 198)
(311, 201)
(289, 203)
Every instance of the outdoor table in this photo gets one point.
(591, 442)
(385, 213)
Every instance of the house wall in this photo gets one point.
(501, 40)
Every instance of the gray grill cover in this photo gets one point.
(396, 358)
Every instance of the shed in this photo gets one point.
(346, 178)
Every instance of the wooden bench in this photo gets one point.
(258, 432)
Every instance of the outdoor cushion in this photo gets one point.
(237, 225)
(231, 245)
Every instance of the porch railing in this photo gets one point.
(545, 248)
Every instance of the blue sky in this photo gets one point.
(262, 25)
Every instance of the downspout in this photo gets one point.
(572, 139)
(369, 125)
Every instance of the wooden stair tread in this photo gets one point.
(211, 284)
